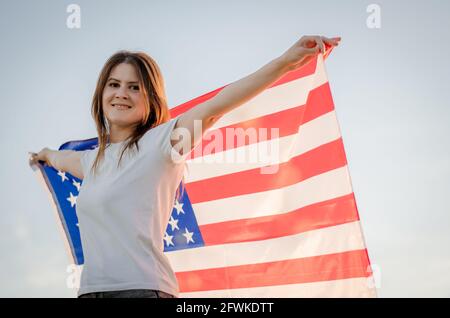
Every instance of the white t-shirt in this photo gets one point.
(123, 214)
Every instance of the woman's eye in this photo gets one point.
(134, 87)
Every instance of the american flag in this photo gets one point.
(239, 232)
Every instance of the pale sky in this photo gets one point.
(390, 87)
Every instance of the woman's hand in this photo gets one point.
(305, 49)
(40, 156)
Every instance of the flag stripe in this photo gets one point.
(329, 240)
(328, 185)
(312, 269)
(317, 132)
(319, 102)
(320, 215)
(327, 157)
(341, 288)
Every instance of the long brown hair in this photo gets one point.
(151, 83)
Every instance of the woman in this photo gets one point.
(130, 180)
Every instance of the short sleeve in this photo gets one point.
(165, 132)
(85, 162)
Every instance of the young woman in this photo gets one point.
(131, 179)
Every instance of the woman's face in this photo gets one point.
(122, 101)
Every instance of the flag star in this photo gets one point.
(168, 239)
(179, 207)
(188, 236)
(77, 224)
(72, 199)
(62, 174)
(77, 185)
(173, 223)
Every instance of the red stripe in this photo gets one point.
(174, 112)
(316, 216)
(319, 102)
(324, 158)
(329, 267)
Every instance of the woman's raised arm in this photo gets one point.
(63, 160)
(239, 92)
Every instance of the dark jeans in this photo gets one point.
(131, 293)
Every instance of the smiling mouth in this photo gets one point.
(121, 106)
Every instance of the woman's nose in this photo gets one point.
(121, 92)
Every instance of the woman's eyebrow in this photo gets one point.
(114, 79)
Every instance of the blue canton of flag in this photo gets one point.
(182, 231)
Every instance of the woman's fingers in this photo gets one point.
(34, 157)
(321, 44)
(332, 41)
(308, 47)
(313, 51)
(315, 44)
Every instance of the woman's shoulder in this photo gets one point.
(160, 137)
(162, 130)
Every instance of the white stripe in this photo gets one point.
(311, 135)
(281, 97)
(325, 186)
(333, 239)
(342, 288)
